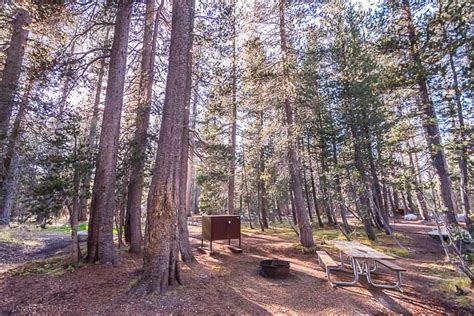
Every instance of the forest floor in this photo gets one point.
(33, 278)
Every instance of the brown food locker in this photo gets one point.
(220, 227)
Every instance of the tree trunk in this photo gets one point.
(233, 132)
(313, 186)
(74, 212)
(160, 260)
(396, 200)
(430, 123)
(9, 168)
(8, 88)
(100, 237)
(262, 205)
(364, 208)
(184, 245)
(305, 184)
(138, 158)
(337, 184)
(246, 188)
(381, 213)
(278, 210)
(91, 140)
(190, 184)
(304, 225)
(417, 180)
(293, 211)
(262, 208)
(462, 159)
(11, 73)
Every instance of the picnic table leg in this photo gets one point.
(344, 283)
(395, 285)
(341, 256)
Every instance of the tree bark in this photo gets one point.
(8, 163)
(262, 196)
(100, 237)
(462, 159)
(74, 212)
(304, 225)
(160, 260)
(184, 245)
(246, 188)
(337, 184)
(363, 194)
(417, 180)
(142, 120)
(190, 185)
(8, 88)
(313, 186)
(91, 141)
(233, 132)
(262, 205)
(430, 123)
(305, 184)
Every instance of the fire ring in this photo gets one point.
(274, 268)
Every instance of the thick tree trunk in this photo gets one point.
(430, 123)
(138, 157)
(184, 245)
(304, 225)
(160, 260)
(9, 168)
(233, 131)
(11, 73)
(100, 241)
(91, 140)
(8, 88)
(191, 192)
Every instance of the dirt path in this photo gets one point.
(21, 245)
(230, 284)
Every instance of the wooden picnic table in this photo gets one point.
(363, 260)
(354, 249)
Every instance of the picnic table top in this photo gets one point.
(357, 250)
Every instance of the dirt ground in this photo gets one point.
(227, 283)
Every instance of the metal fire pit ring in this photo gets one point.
(274, 268)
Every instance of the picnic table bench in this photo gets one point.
(363, 260)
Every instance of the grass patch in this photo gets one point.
(66, 229)
(283, 231)
(449, 284)
(327, 234)
(399, 252)
(384, 243)
(6, 237)
(17, 238)
(51, 266)
(442, 272)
